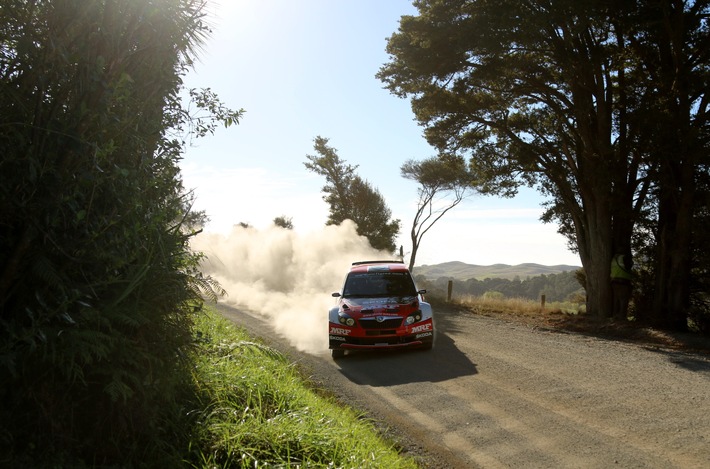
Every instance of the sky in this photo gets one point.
(302, 69)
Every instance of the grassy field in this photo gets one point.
(519, 306)
(256, 411)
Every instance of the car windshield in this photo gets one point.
(369, 284)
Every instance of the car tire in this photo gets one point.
(429, 345)
(337, 353)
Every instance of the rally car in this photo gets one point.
(379, 307)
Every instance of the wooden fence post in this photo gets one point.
(451, 287)
(542, 301)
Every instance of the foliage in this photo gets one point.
(255, 410)
(98, 286)
(439, 179)
(372, 216)
(350, 197)
(555, 287)
(284, 222)
(672, 43)
(595, 104)
(699, 311)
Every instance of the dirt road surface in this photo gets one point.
(494, 394)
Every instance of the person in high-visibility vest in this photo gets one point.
(621, 276)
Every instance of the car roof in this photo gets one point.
(386, 265)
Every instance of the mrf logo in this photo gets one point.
(423, 327)
(339, 331)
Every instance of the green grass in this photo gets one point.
(255, 410)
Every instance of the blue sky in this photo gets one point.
(306, 68)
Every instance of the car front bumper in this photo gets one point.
(418, 335)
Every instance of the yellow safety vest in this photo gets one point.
(618, 269)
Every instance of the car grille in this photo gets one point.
(378, 332)
(388, 323)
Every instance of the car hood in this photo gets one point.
(392, 304)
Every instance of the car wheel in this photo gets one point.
(430, 344)
(337, 353)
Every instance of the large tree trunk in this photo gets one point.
(594, 235)
(673, 257)
(599, 296)
(679, 143)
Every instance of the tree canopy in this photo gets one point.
(582, 100)
(351, 197)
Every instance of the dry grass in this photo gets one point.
(518, 306)
(567, 317)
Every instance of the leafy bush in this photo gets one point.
(98, 286)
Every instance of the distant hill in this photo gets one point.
(462, 271)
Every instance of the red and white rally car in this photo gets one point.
(379, 308)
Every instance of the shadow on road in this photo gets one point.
(389, 368)
(688, 361)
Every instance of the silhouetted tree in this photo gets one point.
(284, 222)
(443, 183)
(602, 106)
(350, 197)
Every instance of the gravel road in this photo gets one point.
(494, 394)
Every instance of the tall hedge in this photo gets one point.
(97, 284)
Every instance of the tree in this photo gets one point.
(284, 222)
(672, 42)
(98, 285)
(439, 179)
(372, 216)
(547, 94)
(350, 197)
(338, 176)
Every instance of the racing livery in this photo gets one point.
(379, 308)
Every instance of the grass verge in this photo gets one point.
(255, 411)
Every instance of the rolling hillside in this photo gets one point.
(462, 271)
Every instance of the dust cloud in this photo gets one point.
(285, 276)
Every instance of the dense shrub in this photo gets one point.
(97, 283)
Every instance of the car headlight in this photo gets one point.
(346, 320)
(412, 318)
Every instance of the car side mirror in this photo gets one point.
(335, 294)
(421, 292)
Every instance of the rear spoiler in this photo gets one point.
(377, 262)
